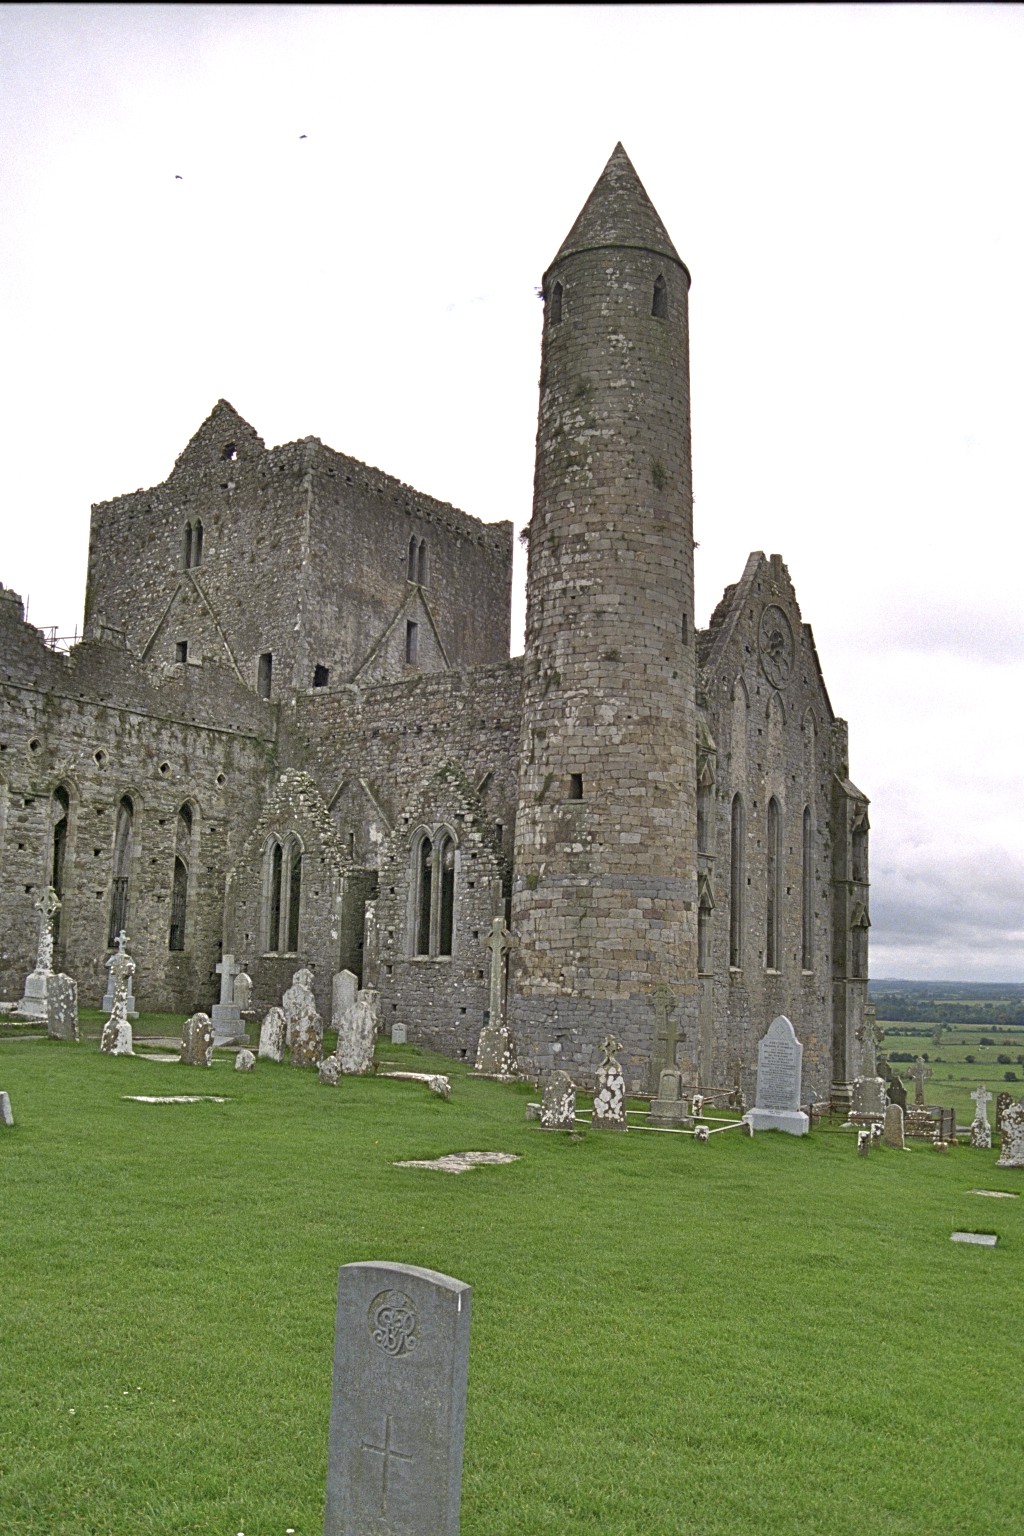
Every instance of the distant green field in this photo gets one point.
(754, 1335)
(953, 1077)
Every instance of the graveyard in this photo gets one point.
(756, 1333)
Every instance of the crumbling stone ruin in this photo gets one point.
(292, 733)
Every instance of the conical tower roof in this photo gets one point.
(618, 212)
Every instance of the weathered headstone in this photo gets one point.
(1003, 1102)
(558, 1105)
(779, 1067)
(981, 1131)
(358, 1033)
(245, 1061)
(33, 1004)
(610, 1091)
(6, 1117)
(398, 1407)
(1012, 1152)
(892, 1134)
(344, 987)
(495, 1054)
(669, 1108)
(304, 1028)
(62, 1008)
(863, 1143)
(116, 1039)
(226, 1016)
(242, 991)
(272, 1036)
(399, 1033)
(330, 1070)
(197, 1041)
(114, 965)
(897, 1092)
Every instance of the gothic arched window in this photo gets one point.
(659, 304)
(556, 304)
(282, 895)
(434, 863)
(60, 810)
(737, 866)
(179, 878)
(807, 893)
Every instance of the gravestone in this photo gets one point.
(779, 1065)
(62, 1008)
(33, 1004)
(868, 1102)
(610, 1091)
(495, 1054)
(245, 1061)
(330, 1070)
(558, 1104)
(113, 963)
(669, 1108)
(1003, 1102)
(398, 1405)
(863, 1143)
(981, 1131)
(272, 1036)
(298, 997)
(344, 986)
(920, 1124)
(1012, 1153)
(897, 1093)
(226, 1016)
(399, 1033)
(242, 991)
(358, 1033)
(6, 1117)
(304, 1028)
(892, 1134)
(116, 1039)
(197, 1041)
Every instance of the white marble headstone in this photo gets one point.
(779, 1066)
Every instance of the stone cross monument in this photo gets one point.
(921, 1076)
(33, 1004)
(108, 996)
(495, 1053)
(226, 1016)
(981, 1131)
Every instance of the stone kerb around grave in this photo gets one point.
(398, 1406)
(779, 1067)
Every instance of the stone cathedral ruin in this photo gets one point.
(292, 732)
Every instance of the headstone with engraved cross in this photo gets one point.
(226, 1016)
(398, 1408)
(667, 1035)
(33, 1003)
(609, 1091)
(981, 1131)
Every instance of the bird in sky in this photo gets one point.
(179, 178)
(302, 135)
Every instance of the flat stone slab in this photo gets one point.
(983, 1239)
(995, 1194)
(157, 1056)
(173, 1098)
(462, 1162)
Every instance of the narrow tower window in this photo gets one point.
(413, 551)
(181, 650)
(179, 882)
(60, 810)
(421, 563)
(736, 879)
(197, 543)
(264, 674)
(807, 894)
(773, 892)
(556, 304)
(411, 642)
(187, 549)
(575, 786)
(659, 306)
(321, 676)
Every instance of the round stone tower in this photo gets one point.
(604, 899)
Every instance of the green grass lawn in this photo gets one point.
(767, 1335)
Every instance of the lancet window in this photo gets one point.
(282, 895)
(434, 866)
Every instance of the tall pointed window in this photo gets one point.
(773, 889)
(556, 304)
(737, 878)
(179, 879)
(123, 839)
(807, 894)
(197, 543)
(432, 895)
(282, 895)
(60, 810)
(272, 895)
(659, 304)
(421, 563)
(413, 552)
(294, 856)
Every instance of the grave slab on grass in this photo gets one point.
(398, 1405)
(173, 1098)
(995, 1194)
(983, 1239)
(461, 1162)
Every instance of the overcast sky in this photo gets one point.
(844, 184)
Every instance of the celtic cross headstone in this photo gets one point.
(398, 1408)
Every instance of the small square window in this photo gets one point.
(181, 650)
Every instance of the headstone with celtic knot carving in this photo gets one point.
(398, 1409)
